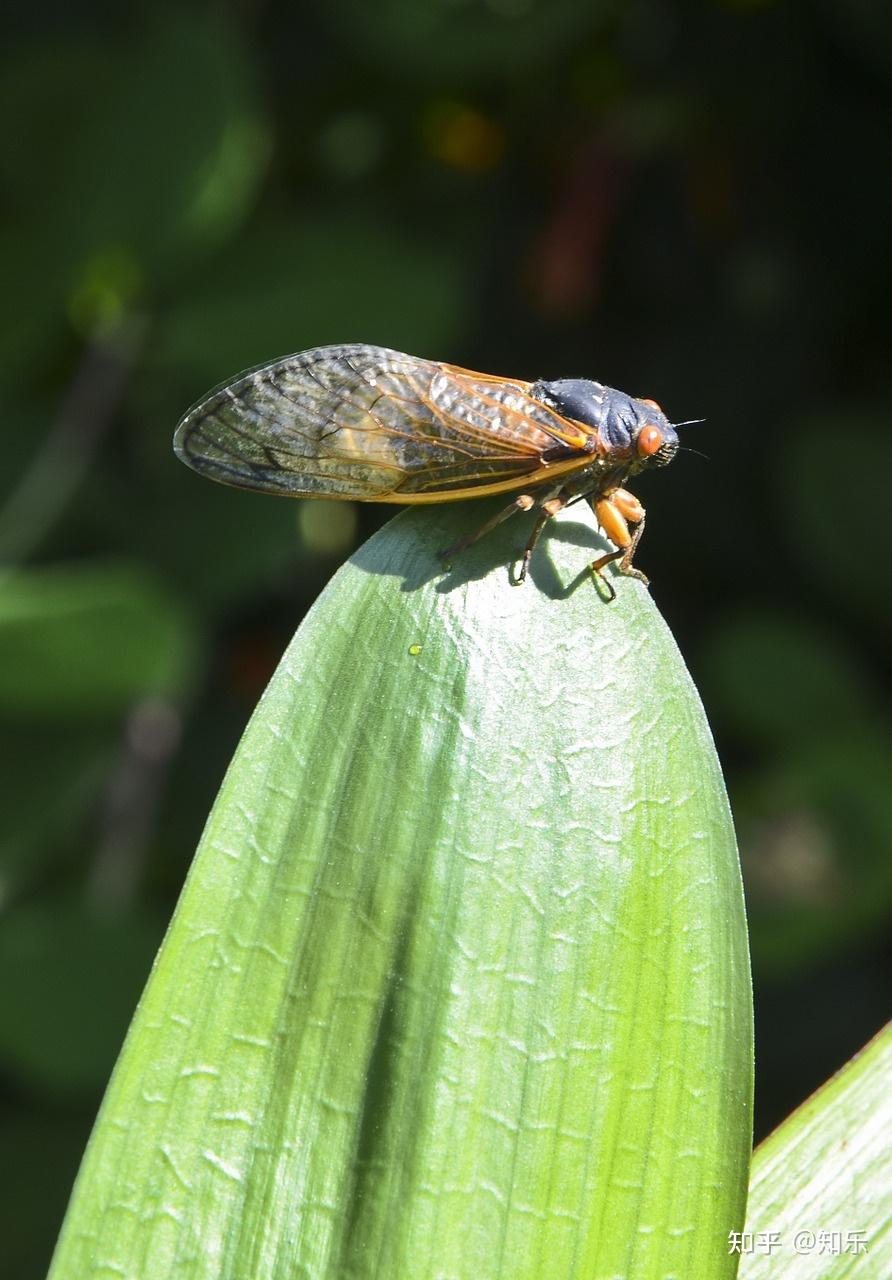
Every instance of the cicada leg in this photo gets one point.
(524, 502)
(613, 521)
(548, 509)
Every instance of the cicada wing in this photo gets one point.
(374, 425)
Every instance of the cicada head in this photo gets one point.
(631, 430)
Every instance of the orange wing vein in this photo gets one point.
(373, 425)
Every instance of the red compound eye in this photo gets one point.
(649, 440)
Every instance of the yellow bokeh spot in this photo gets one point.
(464, 138)
(327, 528)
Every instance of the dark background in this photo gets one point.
(687, 201)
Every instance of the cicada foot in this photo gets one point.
(525, 502)
(548, 509)
(625, 554)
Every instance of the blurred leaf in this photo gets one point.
(815, 848)
(23, 430)
(49, 85)
(68, 981)
(158, 145)
(351, 144)
(59, 464)
(34, 268)
(219, 546)
(829, 1169)
(458, 984)
(849, 563)
(814, 815)
(285, 288)
(51, 777)
(779, 680)
(89, 641)
(504, 38)
(41, 1147)
(172, 147)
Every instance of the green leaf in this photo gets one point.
(89, 641)
(828, 1168)
(458, 984)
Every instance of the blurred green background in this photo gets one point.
(687, 201)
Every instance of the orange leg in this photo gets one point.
(627, 505)
(612, 515)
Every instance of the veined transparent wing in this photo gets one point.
(374, 425)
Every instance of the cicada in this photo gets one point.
(371, 425)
